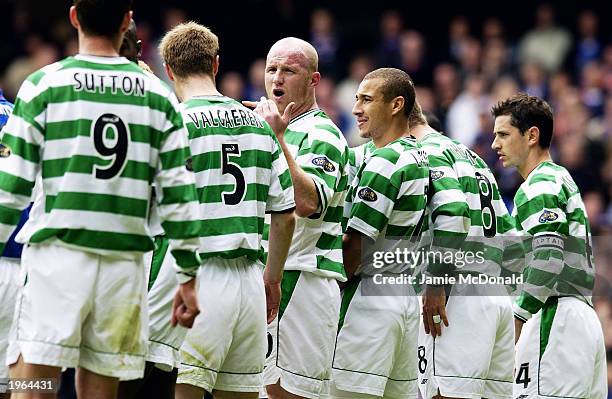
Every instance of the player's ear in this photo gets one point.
(315, 79)
(169, 72)
(397, 105)
(533, 136)
(125, 24)
(215, 65)
(72, 14)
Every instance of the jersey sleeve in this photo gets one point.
(449, 212)
(543, 219)
(374, 197)
(323, 157)
(24, 136)
(280, 194)
(176, 195)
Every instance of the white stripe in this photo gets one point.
(220, 243)
(246, 142)
(101, 221)
(88, 184)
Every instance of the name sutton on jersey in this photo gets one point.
(100, 83)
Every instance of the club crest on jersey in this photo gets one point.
(5, 151)
(548, 216)
(367, 194)
(324, 163)
(436, 174)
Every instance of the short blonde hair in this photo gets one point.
(189, 49)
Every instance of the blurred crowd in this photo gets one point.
(571, 67)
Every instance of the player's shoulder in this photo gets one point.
(317, 125)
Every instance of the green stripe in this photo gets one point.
(182, 229)
(548, 315)
(161, 248)
(324, 263)
(84, 164)
(9, 216)
(97, 203)
(250, 254)
(15, 185)
(214, 194)
(231, 225)
(82, 127)
(174, 159)
(290, 279)
(347, 295)
(179, 194)
(104, 240)
(186, 259)
(328, 241)
(247, 159)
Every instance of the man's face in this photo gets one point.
(130, 48)
(287, 78)
(511, 146)
(372, 112)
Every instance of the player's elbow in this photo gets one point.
(305, 208)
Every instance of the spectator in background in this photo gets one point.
(591, 88)
(232, 85)
(607, 68)
(345, 96)
(495, 60)
(458, 34)
(492, 29)
(469, 58)
(171, 17)
(463, 120)
(559, 83)
(426, 101)
(533, 80)
(588, 46)
(39, 54)
(547, 44)
(325, 40)
(446, 88)
(328, 102)
(388, 49)
(413, 57)
(255, 88)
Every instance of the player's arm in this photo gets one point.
(24, 136)
(374, 200)
(542, 218)
(281, 233)
(450, 218)
(281, 205)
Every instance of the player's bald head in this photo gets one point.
(296, 50)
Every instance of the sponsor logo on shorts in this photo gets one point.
(367, 194)
(548, 216)
(324, 163)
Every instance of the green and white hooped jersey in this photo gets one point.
(101, 131)
(241, 174)
(467, 213)
(357, 156)
(320, 149)
(549, 212)
(389, 196)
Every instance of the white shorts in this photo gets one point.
(79, 309)
(474, 356)
(226, 348)
(303, 335)
(9, 289)
(561, 353)
(164, 340)
(376, 346)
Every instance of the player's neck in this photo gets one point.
(534, 159)
(419, 131)
(398, 128)
(194, 86)
(309, 104)
(99, 46)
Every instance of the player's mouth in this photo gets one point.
(361, 121)
(277, 94)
